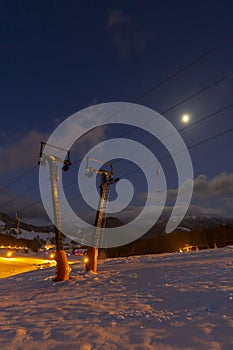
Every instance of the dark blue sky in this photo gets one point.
(58, 57)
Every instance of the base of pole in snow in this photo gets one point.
(62, 269)
(91, 264)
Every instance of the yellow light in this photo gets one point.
(185, 118)
(86, 260)
(51, 256)
(9, 254)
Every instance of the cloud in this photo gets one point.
(213, 196)
(124, 35)
(116, 17)
(210, 196)
(21, 152)
(220, 186)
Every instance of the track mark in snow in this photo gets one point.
(20, 335)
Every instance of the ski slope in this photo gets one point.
(164, 302)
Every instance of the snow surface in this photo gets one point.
(153, 302)
(2, 224)
(183, 228)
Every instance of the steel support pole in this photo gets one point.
(62, 268)
(92, 252)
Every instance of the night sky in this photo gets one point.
(58, 57)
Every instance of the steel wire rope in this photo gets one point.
(135, 100)
(152, 89)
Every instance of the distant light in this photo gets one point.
(9, 254)
(185, 118)
(86, 260)
(52, 256)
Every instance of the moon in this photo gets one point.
(185, 118)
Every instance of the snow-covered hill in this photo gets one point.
(155, 302)
(43, 234)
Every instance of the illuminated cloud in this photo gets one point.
(213, 197)
(220, 186)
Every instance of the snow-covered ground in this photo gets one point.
(156, 302)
